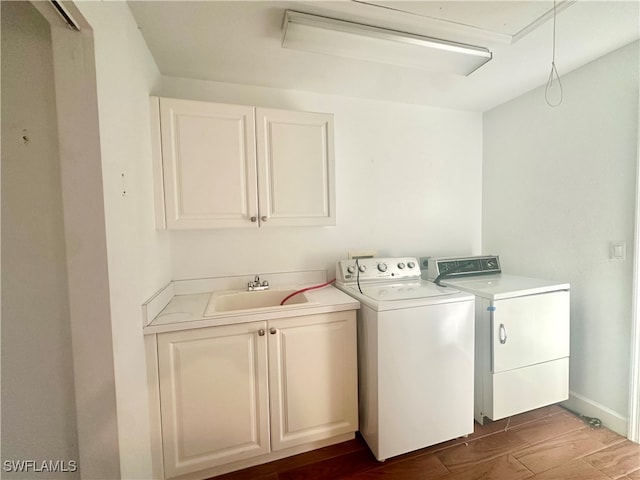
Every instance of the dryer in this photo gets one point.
(415, 355)
(522, 335)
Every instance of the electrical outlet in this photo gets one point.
(424, 263)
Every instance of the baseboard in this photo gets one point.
(610, 419)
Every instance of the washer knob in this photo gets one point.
(401, 265)
(411, 264)
(351, 269)
(382, 267)
(362, 268)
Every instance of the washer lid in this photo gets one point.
(405, 291)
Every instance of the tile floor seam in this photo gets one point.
(382, 465)
(605, 446)
(547, 439)
(577, 458)
(487, 460)
(470, 464)
(581, 457)
(480, 437)
(624, 474)
(507, 428)
(533, 474)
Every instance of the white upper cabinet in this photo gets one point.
(222, 165)
(295, 167)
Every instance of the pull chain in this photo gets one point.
(553, 91)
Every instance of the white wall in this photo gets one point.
(408, 182)
(558, 187)
(138, 255)
(38, 404)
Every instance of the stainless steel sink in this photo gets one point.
(231, 301)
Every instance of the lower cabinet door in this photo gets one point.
(213, 393)
(312, 378)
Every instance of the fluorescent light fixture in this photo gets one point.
(312, 33)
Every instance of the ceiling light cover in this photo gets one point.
(302, 31)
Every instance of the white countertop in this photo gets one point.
(186, 311)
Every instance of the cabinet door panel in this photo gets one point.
(295, 168)
(213, 391)
(209, 165)
(312, 378)
(529, 330)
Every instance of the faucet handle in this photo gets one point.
(265, 283)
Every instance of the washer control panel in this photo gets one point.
(376, 269)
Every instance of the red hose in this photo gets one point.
(302, 290)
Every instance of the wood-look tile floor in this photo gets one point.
(546, 444)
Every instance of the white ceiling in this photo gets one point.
(240, 42)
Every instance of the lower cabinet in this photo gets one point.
(236, 392)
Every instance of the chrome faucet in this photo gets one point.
(256, 286)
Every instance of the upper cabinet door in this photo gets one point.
(295, 168)
(209, 164)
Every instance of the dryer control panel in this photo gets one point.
(376, 269)
(463, 266)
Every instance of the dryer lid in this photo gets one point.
(501, 286)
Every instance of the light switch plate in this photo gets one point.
(618, 251)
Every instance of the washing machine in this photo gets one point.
(522, 335)
(415, 355)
